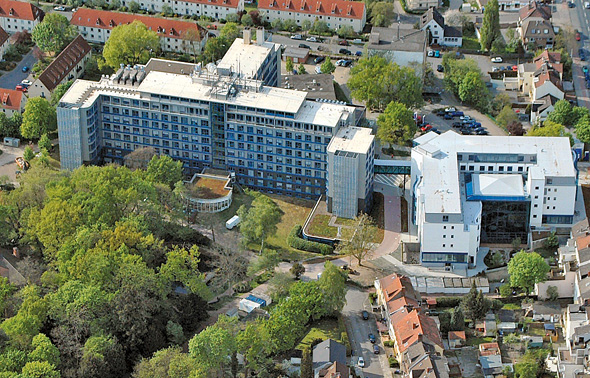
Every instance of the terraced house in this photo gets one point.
(16, 16)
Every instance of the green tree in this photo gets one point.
(133, 7)
(526, 269)
(506, 116)
(551, 242)
(475, 304)
(22, 327)
(253, 344)
(457, 70)
(332, 283)
(328, 67)
(583, 129)
(44, 350)
(579, 112)
(39, 118)
(499, 102)
(267, 262)
(359, 246)
(247, 20)
(59, 91)
(396, 125)
(515, 128)
(305, 25)
(382, 14)
(212, 347)
(215, 49)
(45, 143)
(102, 357)
(277, 24)
(229, 32)
(552, 293)
(167, 10)
(490, 30)
(306, 364)
(39, 369)
(301, 69)
(320, 27)
(166, 363)
(289, 65)
(131, 44)
(457, 320)
(279, 285)
(473, 91)
(562, 113)
(53, 33)
(6, 291)
(174, 332)
(28, 154)
(260, 220)
(346, 31)
(550, 129)
(164, 169)
(505, 290)
(297, 270)
(183, 266)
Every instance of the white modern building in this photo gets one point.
(17, 16)
(469, 190)
(336, 13)
(350, 172)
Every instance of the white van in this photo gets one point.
(587, 5)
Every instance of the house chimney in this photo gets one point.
(247, 36)
(260, 36)
(415, 325)
(15, 252)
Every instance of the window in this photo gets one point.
(445, 218)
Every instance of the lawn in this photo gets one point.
(474, 341)
(471, 43)
(511, 306)
(323, 329)
(319, 226)
(346, 222)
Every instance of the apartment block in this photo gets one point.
(17, 16)
(217, 9)
(469, 190)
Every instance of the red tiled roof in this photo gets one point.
(457, 335)
(488, 349)
(583, 242)
(64, 63)
(3, 36)
(395, 286)
(20, 10)
(108, 20)
(551, 76)
(552, 59)
(11, 99)
(413, 327)
(398, 303)
(534, 9)
(335, 8)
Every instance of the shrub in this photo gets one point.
(392, 362)
(344, 339)
(505, 290)
(448, 301)
(296, 241)
(497, 304)
(388, 343)
(243, 287)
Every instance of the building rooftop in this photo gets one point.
(397, 39)
(328, 351)
(315, 85)
(332, 8)
(108, 20)
(535, 9)
(357, 140)
(413, 327)
(3, 36)
(498, 185)
(441, 186)
(246, 58)
(11, 99)
(64, 63)
(20, 9)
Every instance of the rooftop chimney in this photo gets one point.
(260, 36)
(247, 36)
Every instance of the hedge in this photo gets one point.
(296, 241)
(448, 301)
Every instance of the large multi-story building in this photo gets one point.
(17, 16)
(469, 190)
(217, 9)
(272, 138)
(175, 36)
(350, 172)
(336, 13)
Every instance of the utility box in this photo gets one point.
(11, 142)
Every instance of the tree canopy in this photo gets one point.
(396, 125)
(490, 30)
(39, 118)
(260, 220)
(53, 33)
(130, 44)
(526, 269)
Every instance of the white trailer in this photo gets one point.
(232, 222)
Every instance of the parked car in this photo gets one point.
(587, 5)
(458, 114)
(494, 69)
(311, 39)
(361, 362)
(365, 315)
(344, 51)
(448, 116)
(482, 132)
(440, 68)
(430, 53)
(318, 69)
(22, 88)
(582, 54)
(497, 59)
(26, 82)
(322, 48)
(515, 68)
(571, 4)
(441, 113)
(578, 36)
(372, 338)
(340, 62)
(507, 68)
(457, 124)
(464, 118)
(346, 63)
(297, 37)
(585, 69)
(450, 109)
(465, 132)
(25, 69)
(358, 53)
(376, 349)
(304, 46)
(319, 59)
(343, 42)
(61, 9)
(588, 85)
(426, 127)
(436, 54)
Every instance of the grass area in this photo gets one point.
(323, 329)
(250, 7)
(319, 226)
(474, 341)
(208, 188)
(511, 306)
(471, 43)
(346, 222)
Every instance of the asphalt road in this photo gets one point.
(328, 44)
(11, 79)
(580, 20)
(376, 365)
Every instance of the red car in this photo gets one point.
(514, 68)
(21, 88)
(578, 36)
(426, 127)
(344, 42)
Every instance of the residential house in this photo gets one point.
(542, 82)
(543, 311)
(504, 5)
(534, 342)
(16, 16)
(400, 45)
(507, 327)
(395, 297)
(13, 101)
(422, 360)
(175, 36)
(4, 42)
(534, 10)
(217, 9)
(414, 327)
(439, 33)
(335, 370)
(68, 65)
(491, 365)
(297, 55)
(572, 358)
(415, 5)
(336, 13)
(488, 349)
(536, 34)
(325, 355)
(541, 108)
(548, 82)
(486, 327)
(457, 339)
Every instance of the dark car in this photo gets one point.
(441, 113)
(376, 349)
(440, 68)
(25, 69)
(319, 59)
(365, 315)
(304, 46)
(482, 132)
(465, 131)
(345, 51)
(571, 4)
(582, 54)
(344, 42)
(358, 53)
(448, 116)
(457, 124)
(458, 114)
(588, 85)
(372, 338)
(435, 130)
(346, 63)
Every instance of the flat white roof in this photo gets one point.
(352, 139)
(441, 189)
(245, 58)
(497, 185)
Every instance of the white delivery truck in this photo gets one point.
(232, 222)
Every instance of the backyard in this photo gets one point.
(324, 329)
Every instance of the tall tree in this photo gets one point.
(475, 304)
(332, 282)
(562, 113)
(527, 269)
(212, 347)
(473, 91)
(260, 220)
(166, 363)
(301, 69)
(131, 44)
(507, 115)
(44, 350)
(382, 13)
(457, 320)
(583, 129)
(53, 33)
(328, 67)
(230, 32)
(39, 118)
(359, 246)
(490, 30)
(396, 125)
(515, 128)
(164, 169)
(289, 65)
(550, 129)
(191, 40)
